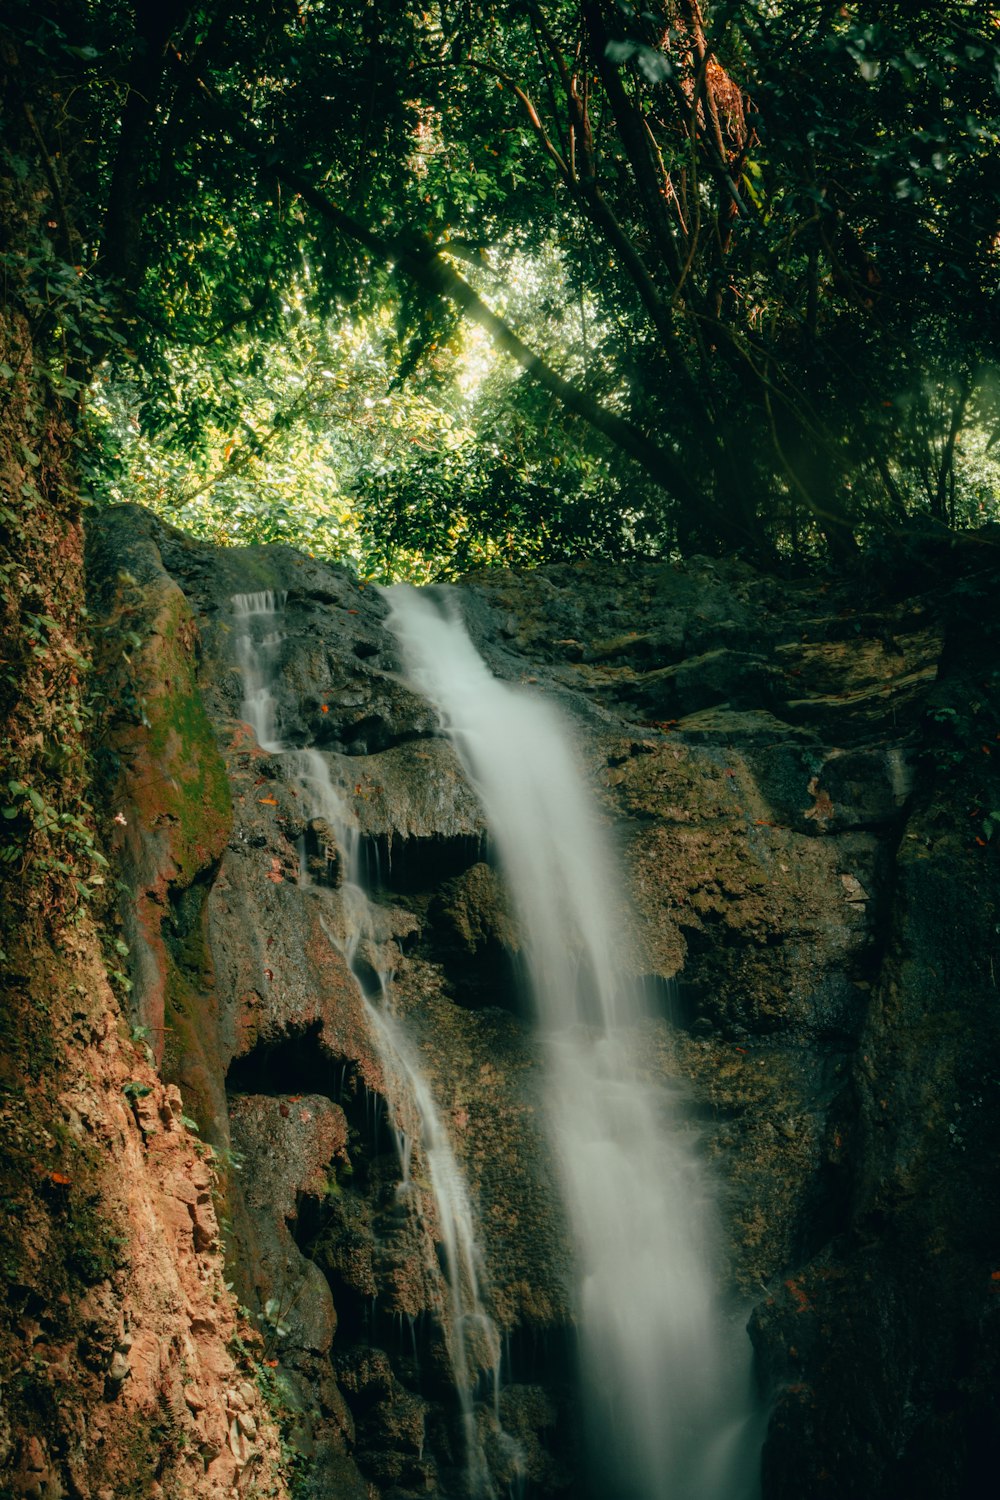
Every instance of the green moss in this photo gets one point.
(157, 726)
(194, 792)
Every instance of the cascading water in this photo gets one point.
(257, 648)
(667, 1377)
(471, 1336)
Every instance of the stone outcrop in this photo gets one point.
(131, 1381)
(802, 781)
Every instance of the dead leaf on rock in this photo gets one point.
(823, 808)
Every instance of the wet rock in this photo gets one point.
(119, 1369)
(475, 911)
(289, 1149)
(807, 915)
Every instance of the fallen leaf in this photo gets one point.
(823, 807)
(59, 1178)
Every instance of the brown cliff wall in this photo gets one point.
(803, 781)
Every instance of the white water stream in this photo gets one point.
(257, 647)
(471, 1336)
(667, 1377)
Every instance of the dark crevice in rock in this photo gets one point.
(323, 861)
(826, 1211)
(537, 1356)
(869, 961)
(366, 975)
(689, 995)
(293, 1064)
(410, 865)
(297, 1065)
(183, 928)
(483, 972)
(412, 1346)
(364, 649)
(662, 996)
(469, 931)
(491, 976)
(369, 735)
(343, 595)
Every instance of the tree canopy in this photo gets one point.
(738, 264)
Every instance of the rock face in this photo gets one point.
(802, 780)
(133, 1380)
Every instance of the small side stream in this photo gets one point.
(471, 1336)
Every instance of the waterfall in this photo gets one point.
(666, 1375)
(257, 657)
(471, 1336)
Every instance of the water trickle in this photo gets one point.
(471, 1336)
(667, 1377)
(258, 646)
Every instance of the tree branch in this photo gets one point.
(415, 257)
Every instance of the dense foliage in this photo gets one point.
(738, 265)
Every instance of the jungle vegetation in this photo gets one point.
(425, 287)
